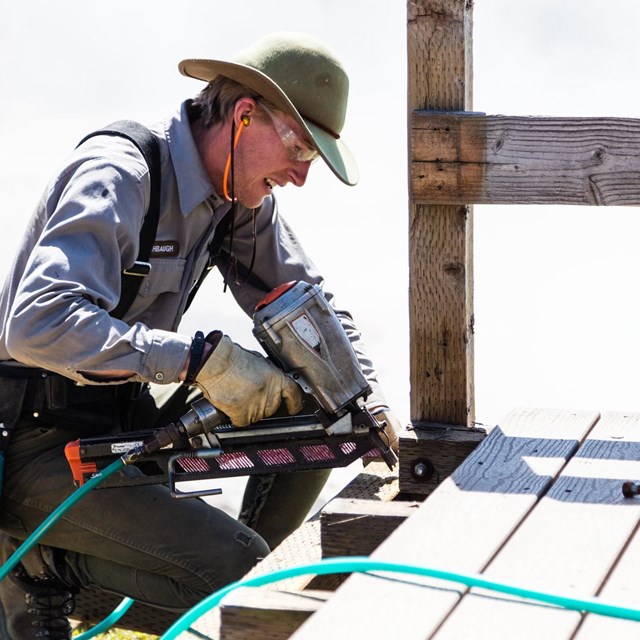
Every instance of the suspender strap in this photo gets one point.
(147, 143)
(133, 275)
(214, 251)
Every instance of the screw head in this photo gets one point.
(422, 469)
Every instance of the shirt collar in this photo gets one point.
(194, 186)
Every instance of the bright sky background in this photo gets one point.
(556, 301)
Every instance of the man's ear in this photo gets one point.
(243, 110)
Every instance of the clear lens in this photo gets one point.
(297, 148)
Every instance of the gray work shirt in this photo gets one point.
(65, 280)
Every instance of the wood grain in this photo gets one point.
(473, 158)
(442, 449)
(375, 484)
(568, 544)
(356, 527)
(459, 527)
(273, 615)
(440, 237)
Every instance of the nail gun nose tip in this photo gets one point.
(630, 489)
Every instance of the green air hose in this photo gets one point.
(354, 564)
(359, 564)
(108, 622)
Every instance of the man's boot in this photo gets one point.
(34, 603)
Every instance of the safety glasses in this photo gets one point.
(298, 149)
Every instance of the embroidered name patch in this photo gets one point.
(165, 249)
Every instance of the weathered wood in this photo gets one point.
(352, 526)
(568, 544)
(440, 237)
(431, 453)
(622, 587)
(356, 527)
(469, 157)
(376, 483)
(273, 615)
(459, 527)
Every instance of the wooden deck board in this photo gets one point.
(242, 610)
(567, 545)
(623, 588)
(459, 527)
(376, 482)
(273, 613)
(352, 526)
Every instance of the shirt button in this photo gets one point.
(159, 376)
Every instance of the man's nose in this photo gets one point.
(299, 173)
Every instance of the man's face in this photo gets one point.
(271, 152)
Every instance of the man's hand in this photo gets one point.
(245, 385)
(392, 428)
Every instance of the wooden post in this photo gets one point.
(439, 38)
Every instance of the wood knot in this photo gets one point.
(454, 269)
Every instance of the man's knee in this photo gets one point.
(248, 549)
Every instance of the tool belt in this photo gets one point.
(55, 399)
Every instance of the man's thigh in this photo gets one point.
(183, 541)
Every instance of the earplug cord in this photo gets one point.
(229, 172)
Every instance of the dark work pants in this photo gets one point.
(139, 541)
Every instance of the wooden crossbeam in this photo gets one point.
(352, 526)
(471, 157)
(349, 526)
(272, 615)
(430, 453)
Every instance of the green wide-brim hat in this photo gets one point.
(300, 76)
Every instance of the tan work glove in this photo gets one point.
(245, 385)
(392, 428)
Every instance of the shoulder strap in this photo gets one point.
(215, 248)
(148, 145)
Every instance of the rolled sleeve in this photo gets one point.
(165, 359)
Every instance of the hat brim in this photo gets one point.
(333, 150)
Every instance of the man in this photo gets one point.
(70, 368)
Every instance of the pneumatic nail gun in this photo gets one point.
(301, 334)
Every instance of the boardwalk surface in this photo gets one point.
(538, 504)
